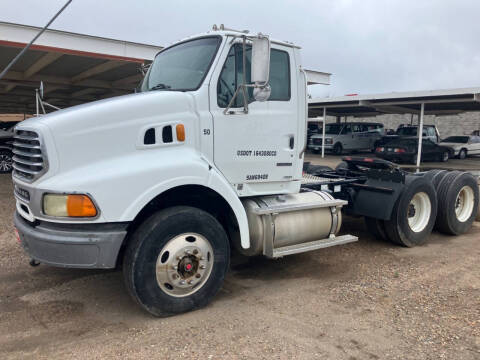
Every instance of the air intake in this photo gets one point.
(28, 160)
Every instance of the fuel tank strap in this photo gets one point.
(297, 207)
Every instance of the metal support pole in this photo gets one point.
(36, 102)
(420, 134)
(33, 40)
(323, 131)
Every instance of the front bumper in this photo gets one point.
(317, 147)
(93, 246)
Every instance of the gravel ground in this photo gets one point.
(365, 300)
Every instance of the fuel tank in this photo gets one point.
(277, 221)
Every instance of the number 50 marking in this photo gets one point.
(206, 131)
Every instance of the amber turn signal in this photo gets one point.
(74, 205)
(80, 206)
(180, 132)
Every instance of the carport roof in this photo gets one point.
(74, 68)
(437, 102)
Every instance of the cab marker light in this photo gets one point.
(180, 128)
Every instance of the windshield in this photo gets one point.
(333, 129)
(456, 139)
(181, 67)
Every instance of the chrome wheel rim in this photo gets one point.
(184, 264)
(445, 156)
(464, 204)
(5, 163)
(419, 212)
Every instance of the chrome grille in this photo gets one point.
(29, 163)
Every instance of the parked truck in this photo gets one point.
(208, 158)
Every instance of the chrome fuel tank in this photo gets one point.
(280, 221)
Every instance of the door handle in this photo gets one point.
(291, 142)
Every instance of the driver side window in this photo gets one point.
(232, 76)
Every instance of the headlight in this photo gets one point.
(329, 141)
(74, 205)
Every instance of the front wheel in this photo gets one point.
(338, 149)
(462, 154)
(176, 261)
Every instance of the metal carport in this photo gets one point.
(434, 102)
(74, 68)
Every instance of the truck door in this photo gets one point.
(260, 146)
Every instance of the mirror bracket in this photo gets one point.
(263, 87)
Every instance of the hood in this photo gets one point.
(107, 128)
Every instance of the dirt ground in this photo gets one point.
(365, 300)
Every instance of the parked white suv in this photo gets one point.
(348, 136)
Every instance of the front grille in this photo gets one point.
(317, 141)
(29, 163)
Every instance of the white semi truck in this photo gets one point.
(207, 158)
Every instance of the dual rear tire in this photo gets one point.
(446, 201)
(413, 216)
(458, 198)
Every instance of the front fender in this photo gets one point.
(210, 178)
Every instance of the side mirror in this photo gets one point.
(41, 90)
(260, 60)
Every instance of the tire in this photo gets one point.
(444, 156)
(458, 198)
(377, 228)
(338, 149)
(435, 176)
(414, 213)
(5, 162)
(194, 237)
(462, 154)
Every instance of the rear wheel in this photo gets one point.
(5, 162)
(176, 261)
(413, 215)
(435, 176)
(458, 198)
(462, 154)
(377, 228)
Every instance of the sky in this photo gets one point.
(370, 46)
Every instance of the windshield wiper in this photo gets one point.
(161, 87)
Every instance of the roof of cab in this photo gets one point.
(235, 33)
